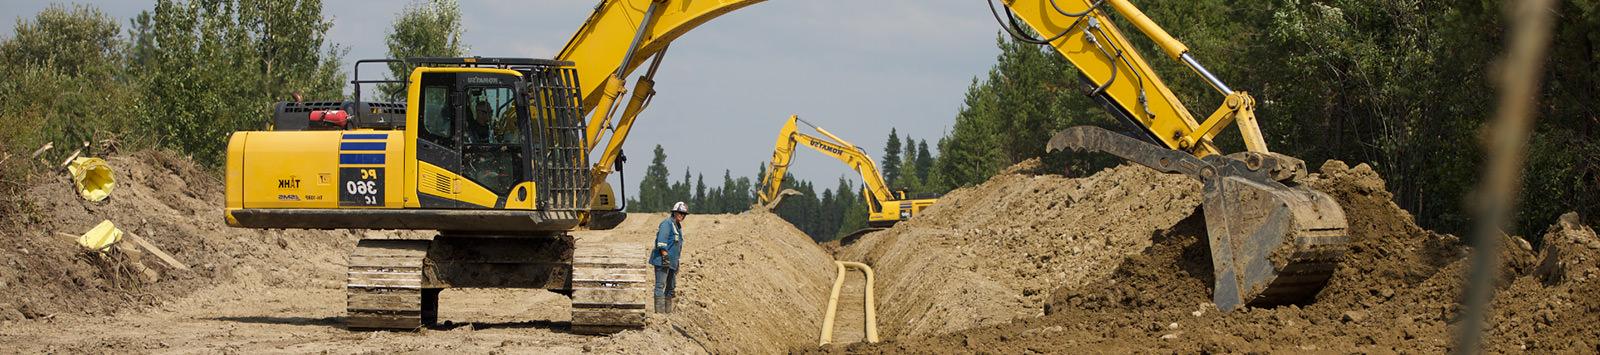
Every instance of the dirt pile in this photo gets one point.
(992, 253)
(750, 283)
(174, 205)
(1396, 290)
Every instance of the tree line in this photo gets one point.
(826, 215)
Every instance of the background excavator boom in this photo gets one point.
(885, 206)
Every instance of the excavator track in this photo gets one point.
(610, 287)
(384, 289)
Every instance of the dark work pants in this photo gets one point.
(666, 282)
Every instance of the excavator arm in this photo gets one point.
(789, 137)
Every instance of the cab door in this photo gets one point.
(494, 143)
(438, 141)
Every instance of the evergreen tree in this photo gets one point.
(891, 159)
(699, 201)
(852, 210)
(654, 190)
(728, 199)
(924, 162)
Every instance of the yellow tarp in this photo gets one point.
(101, 237)
(93, 178)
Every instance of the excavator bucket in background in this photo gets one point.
(775, 200)
(1272, 240)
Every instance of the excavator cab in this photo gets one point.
(498, 135)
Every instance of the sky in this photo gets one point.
(856, 68)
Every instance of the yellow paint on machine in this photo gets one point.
(302, 169)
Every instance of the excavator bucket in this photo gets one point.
(1272, 240)
(605, 220)
(770, 205)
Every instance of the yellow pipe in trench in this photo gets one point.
(833, 303)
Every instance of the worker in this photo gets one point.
(480, 129)
(669, 243)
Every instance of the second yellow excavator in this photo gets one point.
(885, 206)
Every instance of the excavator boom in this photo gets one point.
(885, 207)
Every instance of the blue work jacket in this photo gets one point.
(669, 237)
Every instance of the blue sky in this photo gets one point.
(856, 68)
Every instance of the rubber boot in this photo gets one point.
(661, 305)
(670, 301)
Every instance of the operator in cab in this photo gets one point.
(664, 256)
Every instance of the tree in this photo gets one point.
(924, 161)
(72, 41)
(653, 188)
(210, 68)
(699, 201)
(891, 158)
(909, 175)
(425, 28)
(66, 80)
(852, 210)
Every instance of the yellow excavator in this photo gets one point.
(885, 207)
(495, 155)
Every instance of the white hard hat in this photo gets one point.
(680, 207)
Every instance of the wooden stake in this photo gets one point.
(74, 155)
(173, 263)
(41, 150)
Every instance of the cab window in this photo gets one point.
(492, 152)
(438, 123)
(491, 118)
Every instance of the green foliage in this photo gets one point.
(923, 161)
(1007, 117)
(65, 84)
(890, 165)
(215, 67)
(653, 188)
(426, 28)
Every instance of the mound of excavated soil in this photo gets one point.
(174, 205)
(992, 253)
(1396, 290)
(750, 283)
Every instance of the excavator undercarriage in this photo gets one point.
(395, 283)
